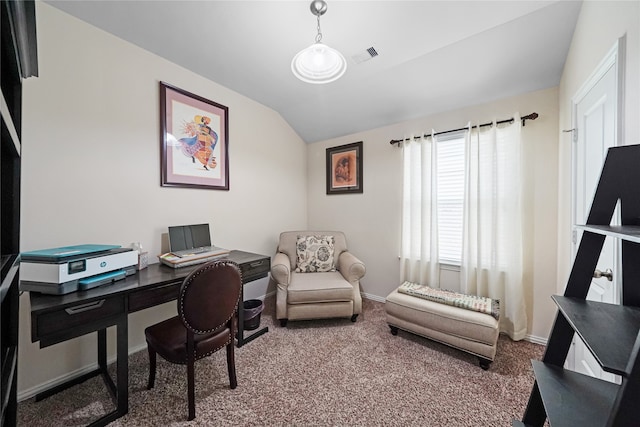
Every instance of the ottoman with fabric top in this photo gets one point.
(475, 332)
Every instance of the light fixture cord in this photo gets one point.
(319, 35)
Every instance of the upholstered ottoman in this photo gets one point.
(471, 331)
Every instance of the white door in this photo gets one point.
(595, 130)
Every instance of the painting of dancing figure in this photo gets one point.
(194, 140)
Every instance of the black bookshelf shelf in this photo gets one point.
(572, 399)
(613, 349)
(630, 233)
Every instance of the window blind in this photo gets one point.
(450, 194)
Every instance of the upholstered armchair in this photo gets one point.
(317, 277)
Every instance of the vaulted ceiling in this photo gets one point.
(433, 56)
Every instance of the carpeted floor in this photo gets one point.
(316, 373)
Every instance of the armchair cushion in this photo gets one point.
(315, 254)
(312, 288)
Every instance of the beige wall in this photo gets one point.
(372, 220)
(91, 169)
(599, 26)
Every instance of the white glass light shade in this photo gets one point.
(318, 64)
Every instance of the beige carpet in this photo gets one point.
(316, 373)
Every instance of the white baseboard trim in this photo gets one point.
(272, 293)
(536, 340)
(372, 297)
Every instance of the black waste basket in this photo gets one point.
(251, 311)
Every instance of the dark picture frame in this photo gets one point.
(344, 169)
(194, 140)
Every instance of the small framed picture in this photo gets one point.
(344, 169)
(194, 140)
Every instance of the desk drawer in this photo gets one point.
(151, 297)
(255, 270)
(64, 319)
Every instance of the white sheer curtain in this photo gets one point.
(492, 250)
(419, 248)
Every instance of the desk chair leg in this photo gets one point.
(231, 365)
(191, 386)
(191, 389)
(152, 368)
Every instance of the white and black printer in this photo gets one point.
(72, 268)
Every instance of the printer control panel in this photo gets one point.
(77, 266)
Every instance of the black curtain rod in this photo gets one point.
(531, 116)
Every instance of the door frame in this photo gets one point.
(614, 58)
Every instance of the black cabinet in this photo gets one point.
(19, 61)
(610, 332)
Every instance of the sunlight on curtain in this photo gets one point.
(419, 249)
(492, 251)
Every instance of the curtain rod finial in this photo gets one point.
(531, 116)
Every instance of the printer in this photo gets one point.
(72, 268)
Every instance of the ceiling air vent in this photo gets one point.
(366, 55)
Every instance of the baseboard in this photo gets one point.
(269, 294)
(372, 297)
(31, 392)
(47, 385)
(536, 340)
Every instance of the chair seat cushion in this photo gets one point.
(318, 287)
(169, 339)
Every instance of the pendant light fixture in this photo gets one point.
(318, 63)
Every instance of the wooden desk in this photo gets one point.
(58, 318)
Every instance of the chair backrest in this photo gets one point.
(287, 243)
(209, 296)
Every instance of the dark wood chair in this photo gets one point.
(205, 323)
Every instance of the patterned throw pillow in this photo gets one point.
(314, 254)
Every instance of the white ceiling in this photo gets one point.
(434, 56)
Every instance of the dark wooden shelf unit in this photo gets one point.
(587, 319)
(589, 401)
(18, 61)
(610, 332)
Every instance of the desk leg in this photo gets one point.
(119, 392)
(253, 336)
(102, 350)
(101, 370)
(123, 367)
(241, 319)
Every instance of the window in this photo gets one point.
(467, 187)
(450, 195)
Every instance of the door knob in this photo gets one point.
(607, 273)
